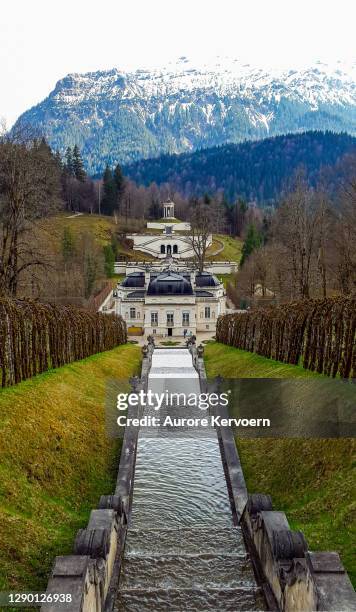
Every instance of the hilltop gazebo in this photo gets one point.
(168, 210)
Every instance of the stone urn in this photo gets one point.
(200, 351)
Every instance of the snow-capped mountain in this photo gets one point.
(124, 116)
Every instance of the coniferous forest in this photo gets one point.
(256, 171)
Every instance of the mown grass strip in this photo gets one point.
(313, 481)
(55, 462)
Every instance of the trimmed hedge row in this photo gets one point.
(319, 334)
(35, 337)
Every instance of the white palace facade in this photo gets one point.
(169, 298)
(170, 302)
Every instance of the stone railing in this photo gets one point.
(298, 579)
(215, 267)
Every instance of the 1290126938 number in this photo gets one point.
(26, 599)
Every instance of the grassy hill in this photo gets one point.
(311, 480)
(101, 229)
(55, 462)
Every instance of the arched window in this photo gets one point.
(163, 249)
(175, 248)
(169, 249)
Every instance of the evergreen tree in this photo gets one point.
(77, 165)
(68, 246)
(120, 184)
(90, 274)
(58, 159)
(239, 217)
(154, 211)
(68, 164)
(115, 246)
(109, 257)
(253, 241)
(109, 201)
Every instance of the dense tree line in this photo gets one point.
(256, 171)
(307, 250)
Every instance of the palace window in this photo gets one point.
(185, 318)
(207, 312)
(132, 313)
(170, 318)
(154, 318)
(175, 248)
(163, 249)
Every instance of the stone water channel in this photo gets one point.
(183, 551)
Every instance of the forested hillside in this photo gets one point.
(253, 170)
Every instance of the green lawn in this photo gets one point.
(312, 480)
(232, 248)
(234, 363)
(55, 462)
(99, 226)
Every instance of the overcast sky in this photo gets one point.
(43, 40)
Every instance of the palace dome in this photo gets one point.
(135, 279)
(170, 283)
(205, 279)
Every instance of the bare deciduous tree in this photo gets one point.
(29, 189)
(344, 240)
(201, 222)
(296, 229)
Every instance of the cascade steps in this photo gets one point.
(200, 568)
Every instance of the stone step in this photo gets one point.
(186, 572)
(199, 600)
(185, 541)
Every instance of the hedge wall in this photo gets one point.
(35, 337)
(318, 334)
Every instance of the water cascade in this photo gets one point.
(183, 551)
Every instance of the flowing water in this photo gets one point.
(182, 551)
